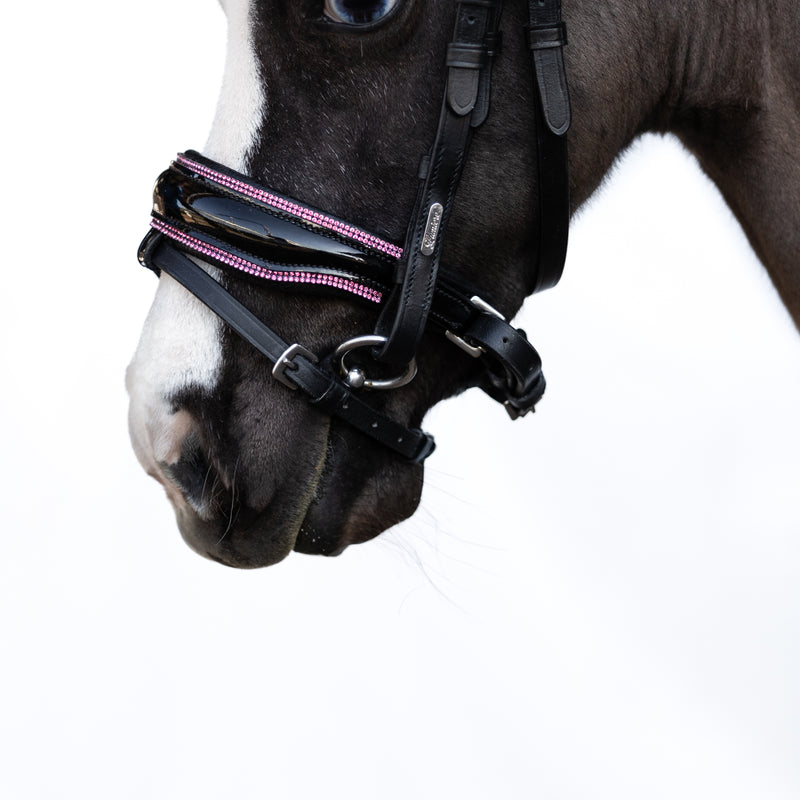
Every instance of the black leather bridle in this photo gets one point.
(203, 209)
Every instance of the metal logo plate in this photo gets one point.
(431, 229)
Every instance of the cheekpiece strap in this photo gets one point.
(466, 101)
(546, 36)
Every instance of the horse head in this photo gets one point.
(338, 113)
(334, 105)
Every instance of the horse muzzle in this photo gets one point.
(348, 492)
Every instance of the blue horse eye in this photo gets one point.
(358, 12)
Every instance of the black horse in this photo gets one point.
(333, 102)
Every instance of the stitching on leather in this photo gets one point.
(290, 275)
(275, 202)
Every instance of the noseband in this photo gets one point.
(205, 210)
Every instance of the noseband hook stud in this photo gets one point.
(356, 378)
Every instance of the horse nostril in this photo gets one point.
(193, 474)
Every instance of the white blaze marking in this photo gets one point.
(181, 344)
(241, 104)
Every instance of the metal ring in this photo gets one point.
(356, 377)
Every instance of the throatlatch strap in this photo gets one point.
(547, 36)
(325, 391)
(465, 105)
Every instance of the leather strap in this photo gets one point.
(324, 390)
(547, 36)
(465, 104)
(220, 217)
(511, 368)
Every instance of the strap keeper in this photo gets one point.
(424, 167)
(466, 56)
(494, 43)
(147, 248)
(546, 37)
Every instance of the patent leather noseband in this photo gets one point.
(208, 211)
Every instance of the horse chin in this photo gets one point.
(223, 529)
(364, 491)
(260, 542)
(245, 512)
(359, 491)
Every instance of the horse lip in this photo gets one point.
(311, 542)
(309, 539)
(250, 545)
(241, 536)
(351, 505)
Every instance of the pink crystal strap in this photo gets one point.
(292, 208)
(293, 276)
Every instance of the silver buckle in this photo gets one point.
(476, 351)
(285, 362)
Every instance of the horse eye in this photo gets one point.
(358, 12)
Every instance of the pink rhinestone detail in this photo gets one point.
(295, 209)
(293, 276)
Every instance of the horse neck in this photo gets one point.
(639, 65)
(722, 77)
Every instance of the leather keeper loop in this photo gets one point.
(466, 56)
(545, 37)
(494, 43)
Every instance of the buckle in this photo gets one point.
(285, 362)
(476, 351)
(512, 368)
(517, 400)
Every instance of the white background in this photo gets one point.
(601, 601)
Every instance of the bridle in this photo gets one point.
(205, 210)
